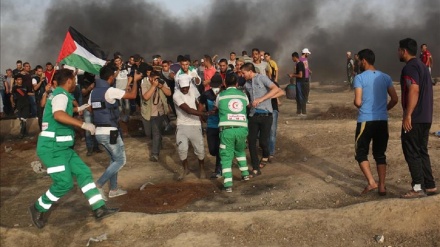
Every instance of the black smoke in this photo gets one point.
(279, 27)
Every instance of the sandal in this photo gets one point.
(383, 193)
(254, 173)
(263, 163)
(413, 194)
(368, 189)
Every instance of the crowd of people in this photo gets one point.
(237, 98)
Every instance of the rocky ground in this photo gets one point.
(308, 196)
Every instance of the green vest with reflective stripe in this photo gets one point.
(56, 136)
(232, 107)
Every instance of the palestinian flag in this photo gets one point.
(82, 53)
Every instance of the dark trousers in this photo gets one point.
(213, 138)
(259, 124)
(415, 149)
(376, 131)
(40, 111)
(7, 104)
(300, 98)
(155, 126)
(306, 90)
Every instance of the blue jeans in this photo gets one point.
(90, 140)
(273, 133)
(118, 159)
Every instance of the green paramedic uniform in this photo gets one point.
(55, 149)
(231, 104)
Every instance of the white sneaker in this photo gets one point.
(101, 191)
(115, 193)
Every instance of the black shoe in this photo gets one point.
(37, 217)
(89, 152)
(102, 212)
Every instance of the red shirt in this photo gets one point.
(48, 75)
(209, 73)
(425, 58)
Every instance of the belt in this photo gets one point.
(262, 114)
(103, 125)
(229, 127)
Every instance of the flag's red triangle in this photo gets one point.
(68, 47)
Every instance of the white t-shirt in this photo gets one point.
(179, 98)
(59, 103)
(122, 79)
(111, 95)
(192, 73)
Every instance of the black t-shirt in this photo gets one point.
(40, 91)
(300, 68)
(27, 82)
(415, 72)
(20, 94)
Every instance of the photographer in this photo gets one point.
(154, 108)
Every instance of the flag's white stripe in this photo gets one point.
(81, 51)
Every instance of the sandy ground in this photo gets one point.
(308, 196)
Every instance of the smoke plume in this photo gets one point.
(327, 28)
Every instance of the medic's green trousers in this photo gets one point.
(233, 144)
(62, 166)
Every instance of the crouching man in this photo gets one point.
(189, 127)
(231, 104)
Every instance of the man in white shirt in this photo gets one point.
(121, 83)
(186, 70)
(103, 100)
(189, 127)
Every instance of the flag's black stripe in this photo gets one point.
(87, 44)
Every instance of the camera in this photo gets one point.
(161, 81)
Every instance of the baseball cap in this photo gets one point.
(306, 51)
(184, 81)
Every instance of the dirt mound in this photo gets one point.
(338, 112)
(165, 197)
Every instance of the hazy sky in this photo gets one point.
(34, 30)
(22, 30)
